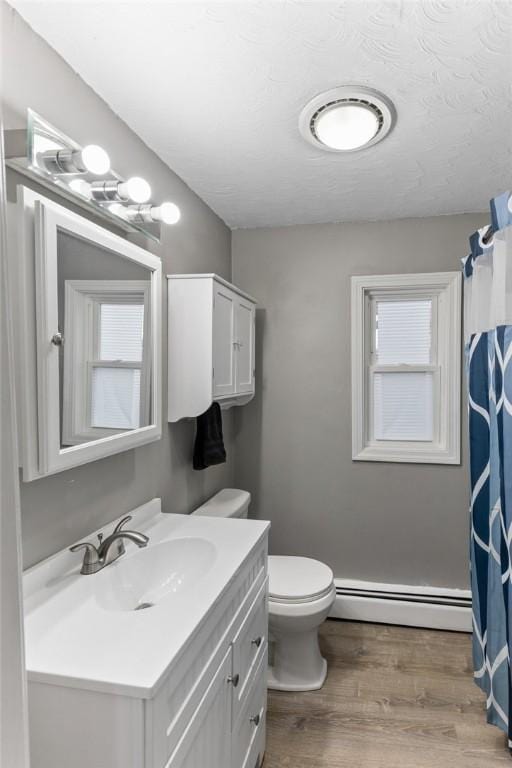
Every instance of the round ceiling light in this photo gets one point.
(347, 119)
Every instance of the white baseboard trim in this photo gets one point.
(429, 607)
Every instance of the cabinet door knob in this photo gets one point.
(257, 641)
(57, 339)
(234, 680)
(255, 720)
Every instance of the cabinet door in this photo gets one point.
(223, 341)
(206, 742)
(85, 393)
(244, 344)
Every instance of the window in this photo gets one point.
(105, 359)
(116, 363)
(406, 368)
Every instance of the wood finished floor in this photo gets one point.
(394, 698)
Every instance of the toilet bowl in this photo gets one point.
(301, 594)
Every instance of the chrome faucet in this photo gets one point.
(109, 549)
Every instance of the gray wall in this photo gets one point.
(58, 510)
(392, 523)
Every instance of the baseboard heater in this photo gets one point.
(430, 607)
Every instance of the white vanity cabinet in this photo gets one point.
(211, 344)
(202, 704)
(220, 722)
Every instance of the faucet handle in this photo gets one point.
(91, 557)
(122, 522)
(84, 545)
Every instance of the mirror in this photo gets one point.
(95, 332)
(105, 331)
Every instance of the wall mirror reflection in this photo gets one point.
(96, 326)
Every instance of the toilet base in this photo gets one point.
(314, 685)
(296, 663)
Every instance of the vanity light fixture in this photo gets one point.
(347, 119)
(81, 187)
(168, 213)
(135, 189)
(91, 159)
(83, 175)
(118, 209)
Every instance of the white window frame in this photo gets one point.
(444, 288)
(83, 300)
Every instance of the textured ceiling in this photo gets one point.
(216, 89)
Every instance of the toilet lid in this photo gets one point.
(298, 578)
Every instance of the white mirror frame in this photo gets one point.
(38, 365)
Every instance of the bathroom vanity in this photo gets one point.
(157, 661)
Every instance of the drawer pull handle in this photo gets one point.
(234, 680)
(257, 641)
(255, 720)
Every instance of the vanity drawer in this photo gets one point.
(249, 729)
(250, 647)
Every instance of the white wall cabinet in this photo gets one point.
(211, 344)
(207, 711)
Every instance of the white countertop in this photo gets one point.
(72, 639)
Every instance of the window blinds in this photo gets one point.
(121, 332)
(115, 398)
(403, 332)
(403, 406)
(403, 401)
(115, 391)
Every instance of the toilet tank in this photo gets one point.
(230, 502)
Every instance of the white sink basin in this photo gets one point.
(92, 630)
(161, 571)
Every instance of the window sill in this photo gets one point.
(435, 455)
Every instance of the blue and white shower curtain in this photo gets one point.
(488, 336)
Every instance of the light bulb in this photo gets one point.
(81, 187)
(169, 213)
(118, 210)
(346, 126)
(90, 159)
(135, 189)
(95, 159)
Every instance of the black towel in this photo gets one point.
(209, 445)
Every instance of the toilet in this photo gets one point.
(301, 594)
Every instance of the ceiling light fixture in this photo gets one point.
(347, 119)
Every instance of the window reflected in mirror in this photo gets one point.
(104, 317)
